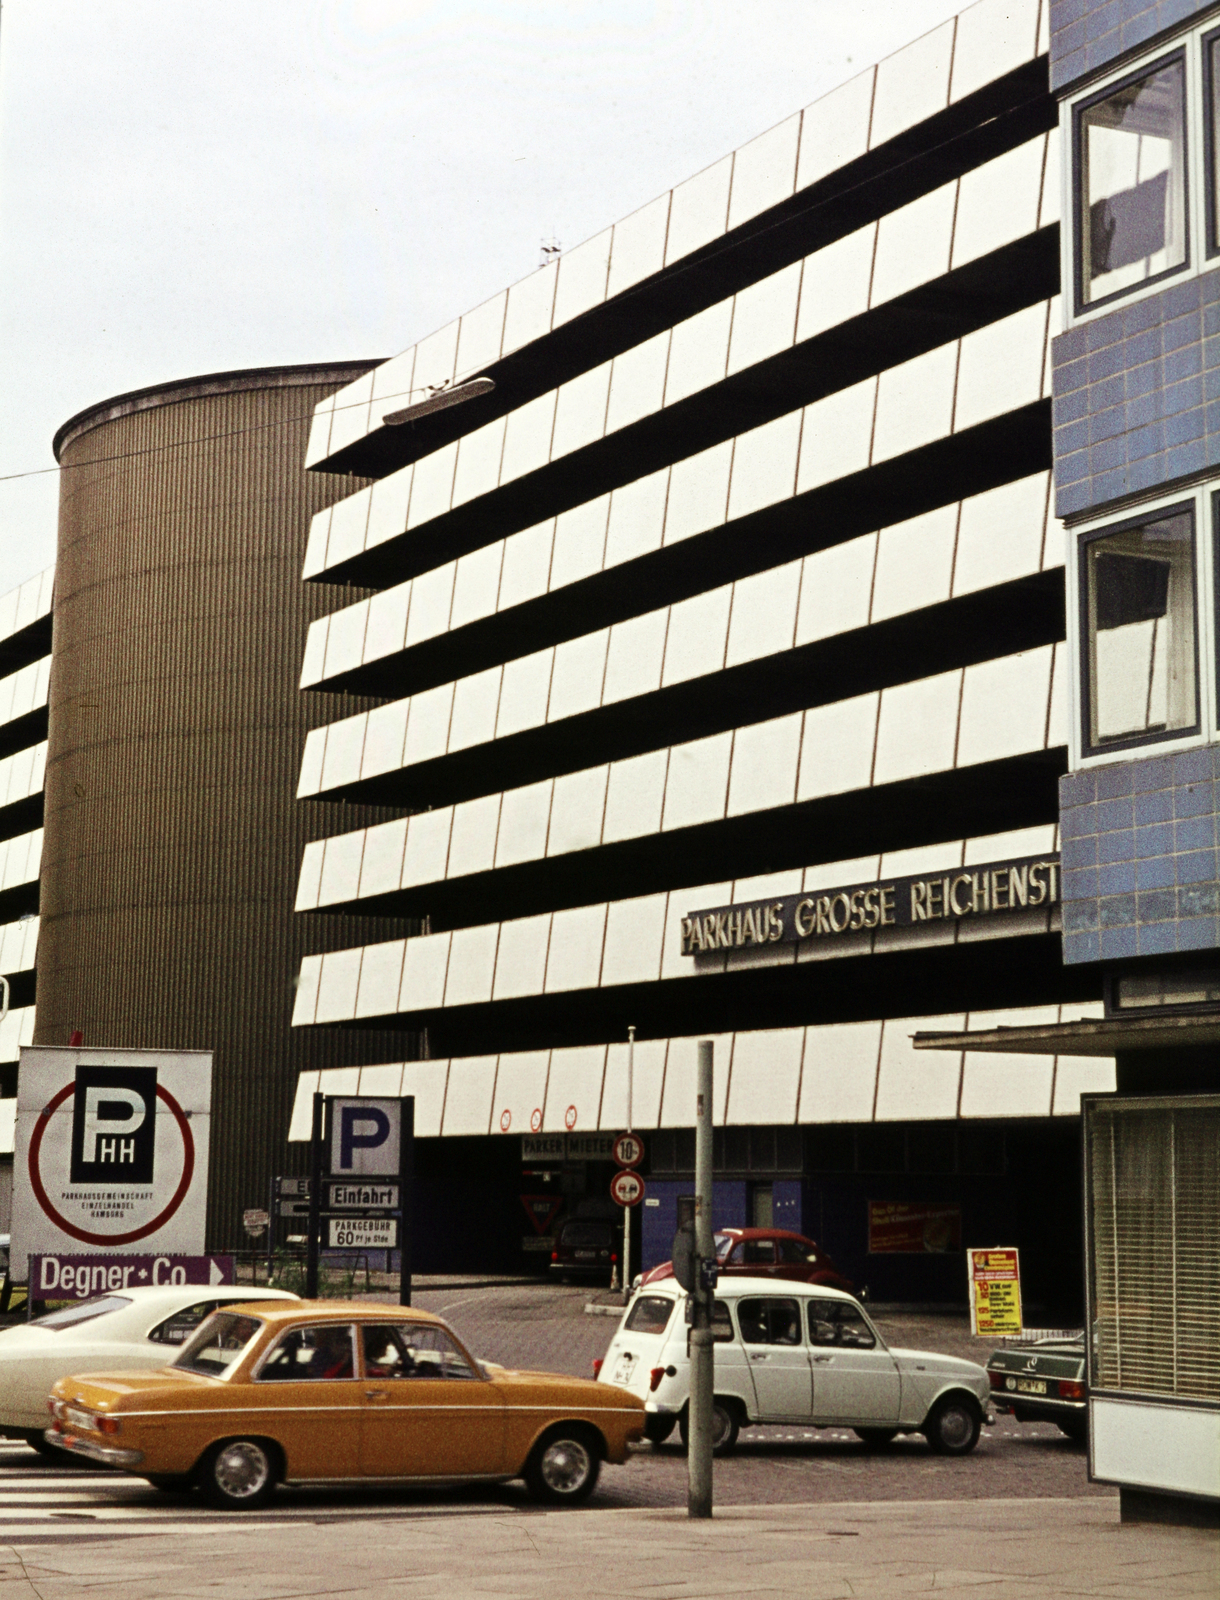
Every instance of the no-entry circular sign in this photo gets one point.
(626, 1188)
(629, 1149)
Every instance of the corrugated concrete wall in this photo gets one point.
(173, 839)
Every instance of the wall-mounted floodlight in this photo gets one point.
(440, 400)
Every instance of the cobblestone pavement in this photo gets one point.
(546, 1326)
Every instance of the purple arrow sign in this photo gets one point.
(79, 1277)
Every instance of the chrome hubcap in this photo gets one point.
(241, 1470)
(721, 1424)
(956, 1426)
(565, 1466)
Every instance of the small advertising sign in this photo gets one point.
(70, 1277)
(362, 1233)
(111, 1151)
(995, 1292)
(913, 1227)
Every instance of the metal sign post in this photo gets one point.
(312, 1241)
(702, 1374)
(406, 1183)
(627, 1209)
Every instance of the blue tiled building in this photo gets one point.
(1136, 419)
(1136, 451)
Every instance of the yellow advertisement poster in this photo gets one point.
(995, 1292)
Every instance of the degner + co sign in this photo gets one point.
(111, 1151)
(1025, 884)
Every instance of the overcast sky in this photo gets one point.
(189, 188)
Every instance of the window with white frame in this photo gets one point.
(1129, 157)
(1139, 630)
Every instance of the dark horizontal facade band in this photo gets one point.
(22, 987)
(1101, 1037)
(23, 816)
(1021, 615)
(992, 974)
(993, 453)
(967, 802)
(934, 314)
(19, 901)
(996, 118)
(22, 732)
(30, 643)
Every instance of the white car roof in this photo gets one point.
(737, 1284)
(186, 1294)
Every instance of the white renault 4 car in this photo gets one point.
(807, 1354)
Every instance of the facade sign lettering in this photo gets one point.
(1025, 884)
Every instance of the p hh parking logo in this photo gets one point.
(114, 1125)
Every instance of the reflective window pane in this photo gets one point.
(1140, 631)
(1131, 209)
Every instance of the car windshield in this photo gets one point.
(580, 1235)
(218, 1344)
(83, 1311)
(650, 1314)
(724, 1242)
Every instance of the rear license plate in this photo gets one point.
(78, 1419)
(626, 1366)
(1031, 1385)
(585, 1255)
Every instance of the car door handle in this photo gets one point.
(760, 1355)
(825, 1360)
(376, 1394)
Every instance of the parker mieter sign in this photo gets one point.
(982, 891)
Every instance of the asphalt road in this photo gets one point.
(542, 1326)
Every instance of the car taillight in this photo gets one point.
(1070, 1389)
(554, 1255)
(614, 1257)
(654, 1378)
(597, 1366)
(997, 1379)
(109, 1425)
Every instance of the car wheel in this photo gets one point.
(876, 1438)
(238, 1475)
(725, 1428)
(954, 1426)
(563, 1467)
(658, 1428)
(172, 1482)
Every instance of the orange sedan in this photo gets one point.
(323, 1391)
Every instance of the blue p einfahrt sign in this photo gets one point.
(364, 1138)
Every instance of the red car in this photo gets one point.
(768, 1253)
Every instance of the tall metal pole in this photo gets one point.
(702, 1375)
(406, 1196)
(628, 1209)
(315, 1199)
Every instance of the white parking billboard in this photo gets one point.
(111, 1151)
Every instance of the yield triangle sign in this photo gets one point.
(542, 1209)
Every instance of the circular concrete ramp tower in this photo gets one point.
(173, 837)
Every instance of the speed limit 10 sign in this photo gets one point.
(626, 1188)
(629, 1149)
